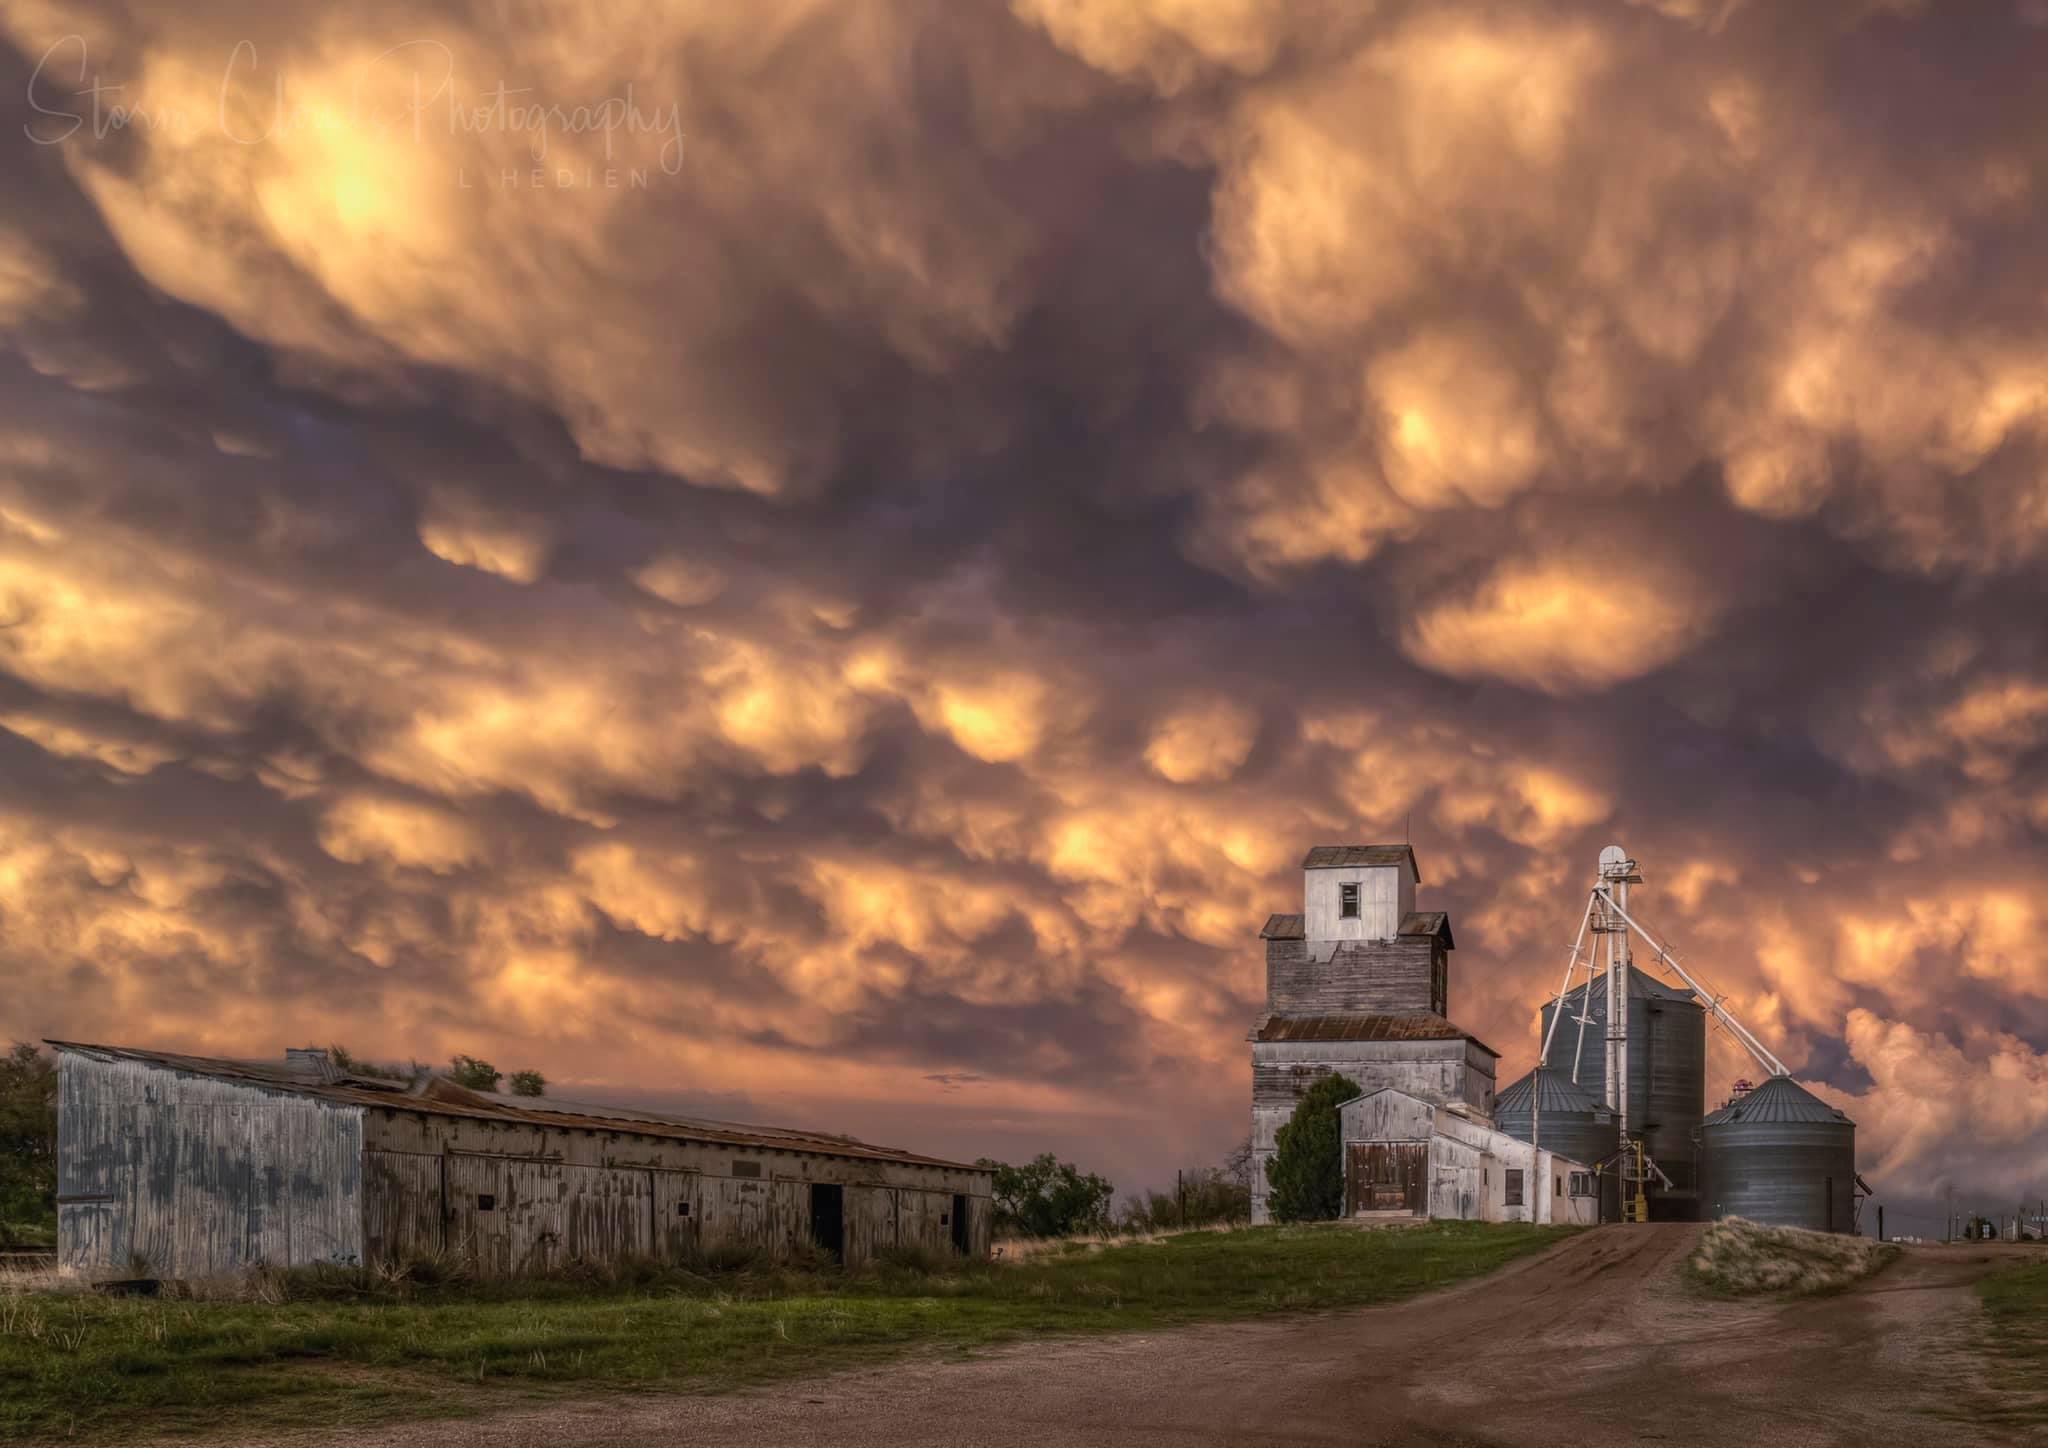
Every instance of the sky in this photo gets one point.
(824, 563)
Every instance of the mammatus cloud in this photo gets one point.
(860, 611)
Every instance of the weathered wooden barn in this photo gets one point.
(185, 1167)
(1358, 984)
(1406, 1156)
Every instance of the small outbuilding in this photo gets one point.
(184, 1166)
(1406, 1156)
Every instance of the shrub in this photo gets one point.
(1306, 1171)
(529, 1083)
(1047, 1197)
(476, 1075)
(350, 1064)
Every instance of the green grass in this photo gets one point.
(2015, 1344)
(337, 1352)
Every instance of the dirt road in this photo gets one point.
(1596, 1343)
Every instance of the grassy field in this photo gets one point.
(336, 1351)
(2015, 1343)
(1738, 1258)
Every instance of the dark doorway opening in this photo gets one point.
(828, 1218)
(960, 1238)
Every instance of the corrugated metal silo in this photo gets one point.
(1575, 1125)
(1667, 1075)
(1780, 1156)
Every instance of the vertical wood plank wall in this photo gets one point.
(168, 1174)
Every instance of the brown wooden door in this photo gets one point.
(1388, 1176)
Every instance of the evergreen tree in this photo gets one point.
(1306, 1170)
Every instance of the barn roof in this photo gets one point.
(439, 1096)
(1364, 1028)
(1427, 922)
(1331, 857)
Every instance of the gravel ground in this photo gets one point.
(1596, 1343)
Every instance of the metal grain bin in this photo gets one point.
(1574, 1125)
(1667, 1075)
(1781, 1156)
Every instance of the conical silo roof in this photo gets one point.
(1641, 986)
(1559, 1094)
(1779, 1099)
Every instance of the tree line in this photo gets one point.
(1047, 1197)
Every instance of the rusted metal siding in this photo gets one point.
(187, 1175)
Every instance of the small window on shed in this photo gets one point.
(485, 1202)
(746, 1168)
(1347, 902)
(944, 1218)
(682, 1209)
(1514, 1186)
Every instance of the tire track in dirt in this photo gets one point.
(1597, 1343)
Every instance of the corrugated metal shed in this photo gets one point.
(1331, 857)
(1282, 927)
(437, 1096)
(1364, 1028)
(1779, 1099)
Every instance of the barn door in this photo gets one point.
(1388, 1177)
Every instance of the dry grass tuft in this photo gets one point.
(1742, 1259)
(15, 1280)
(1031, 1249)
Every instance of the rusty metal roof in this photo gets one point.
(1330, 857)
(1282, 927)
(439, 1096)
(1365, 1028)
(1427, 922)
